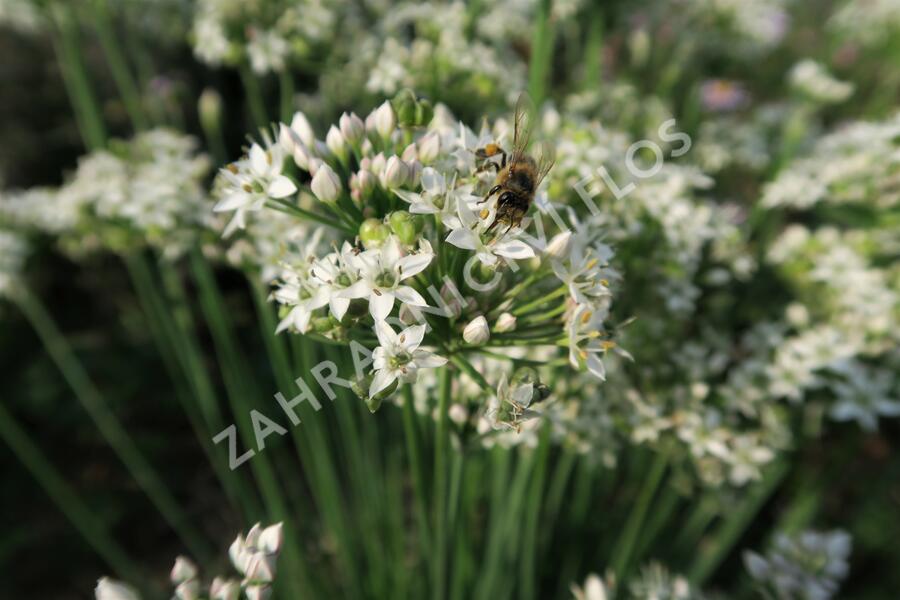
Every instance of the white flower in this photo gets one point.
(334, 274)
(468, 236)
(304, 295)
(336, 143)
(326, 185)
(585, 346)
(559, 245)
(382, 271)
(109, 589)
(248, 183)
(477, 331)
(399, 356)
(438, 197)
(585, 272)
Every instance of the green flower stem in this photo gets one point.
(735, 524)
(541, 52)
(628, 539)
(659, 517)
(544, 316)
(241, 388)
(109, 425)
(441, 450)
(531, 306)
(528, 561)
(593, 52)
(333, 507)
(413, 449)
(115, 57)
(169, 328)
(254, 96)
(286, 92)
(94, 531)
(68, 53)
(292, 209)
(503, 545)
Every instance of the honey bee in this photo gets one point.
(518, 173)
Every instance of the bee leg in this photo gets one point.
(492, 191)
(502, 160)
(486, 165)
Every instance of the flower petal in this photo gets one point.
(414, 264)
(259, 162)
(380, 303)
(281, 187)
(411, 337)
(408, 295)
(514, 249)
(428, 360)
(463, 238)
(387, 337)
(382, 380)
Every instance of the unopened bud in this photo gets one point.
(209, 107)
(405, 226)
(396, 173)
(183, 570)
(224, 589)
(373, 233)
(477, 331)
(505, 322)
(300, 126)
(110, 589)
(352, 128)
(429, 147)
(271, 538)
(188, 590)
(383, 120)
(258, 592)
(326, 185)
(334, 139)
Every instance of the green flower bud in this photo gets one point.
(406, 226)
(373, 233)
(424, 113)
(405, 105)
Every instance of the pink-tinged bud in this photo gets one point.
(396, 173)
(352, 128)
(429, 147)
(458, 414)
(326, 185)
(258, 592)
(363, 183)
(336, 143)
(188, 590)
(183, 570)
(409, 153)
(505, 322)
(260, 568)
(377, 165)
(224, 589)
(110, 589)
(271, 538)
(300, 125)
(301, 156)
(477, 331)
(383, 120)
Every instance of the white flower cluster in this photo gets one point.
(267, 35)
(653, 582)
(867, 22)
(813, 80)
(807, 566)
(254, 557)
(857, 163)
(148, 190)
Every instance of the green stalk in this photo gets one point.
(526, 308)
(110, 427)
(241, 388)
(541, 53)
(411, 433)
(625, 545)
(735, 524)
(172, 328)
(254, 96)
(68, 53)
(286, 90)
(593, 52)
(115, 56)
(528, 573)
(442, 448)
(94, 531)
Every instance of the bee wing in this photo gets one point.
(523, 123)
(545, 158)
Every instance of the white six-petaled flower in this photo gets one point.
(399, 357)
